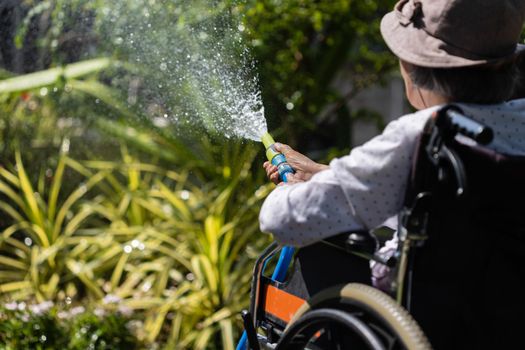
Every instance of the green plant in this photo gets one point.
(22, 329)
(221, 264)
(306, 50)
(189, 248)
(34, 245)
(37, 108)
(175, 247)
(110, 332)
(47, 327)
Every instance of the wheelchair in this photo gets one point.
(459, 275)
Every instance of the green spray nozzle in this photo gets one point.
(276, 158)
(268, 142)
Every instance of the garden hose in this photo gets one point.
(285, 258)
(279, 160)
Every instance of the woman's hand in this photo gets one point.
(304, 167)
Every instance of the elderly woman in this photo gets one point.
(461, 51)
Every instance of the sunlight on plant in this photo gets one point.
(177, 252)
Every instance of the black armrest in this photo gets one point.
(354, 241)
(360, 243)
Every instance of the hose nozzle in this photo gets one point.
(276, 158)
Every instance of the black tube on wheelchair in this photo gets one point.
(452, 118)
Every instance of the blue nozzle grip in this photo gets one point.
(284, 169)
(279, 160)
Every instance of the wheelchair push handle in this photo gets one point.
(452, 119)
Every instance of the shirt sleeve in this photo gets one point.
(359, 191)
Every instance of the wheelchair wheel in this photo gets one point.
(354, 316)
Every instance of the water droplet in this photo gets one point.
(185, 195)
(127, 249)
(65, 145)
(146, 287)
(43, 91)
(28, 241)
(161, 122)
(289, 106)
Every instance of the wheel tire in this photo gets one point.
(298, 334)
(375, 303)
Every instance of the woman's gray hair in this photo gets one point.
(488, 84)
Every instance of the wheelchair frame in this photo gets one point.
(439, 131)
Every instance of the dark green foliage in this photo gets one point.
(20, 330)
(301, 46)
(89, 331)
(23, 329)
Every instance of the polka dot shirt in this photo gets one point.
(365, 188)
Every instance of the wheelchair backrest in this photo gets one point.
(467, 279)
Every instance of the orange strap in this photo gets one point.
(281, 304)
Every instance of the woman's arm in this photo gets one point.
(359, 191)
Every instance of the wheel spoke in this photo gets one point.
(332, 321)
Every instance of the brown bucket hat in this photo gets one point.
(454, 33)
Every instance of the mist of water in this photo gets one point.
(200, 71)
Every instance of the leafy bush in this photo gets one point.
(36, 240)
(45, 326)
(176, 249)
(22, 329)
(302, 49)
(111, 332)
